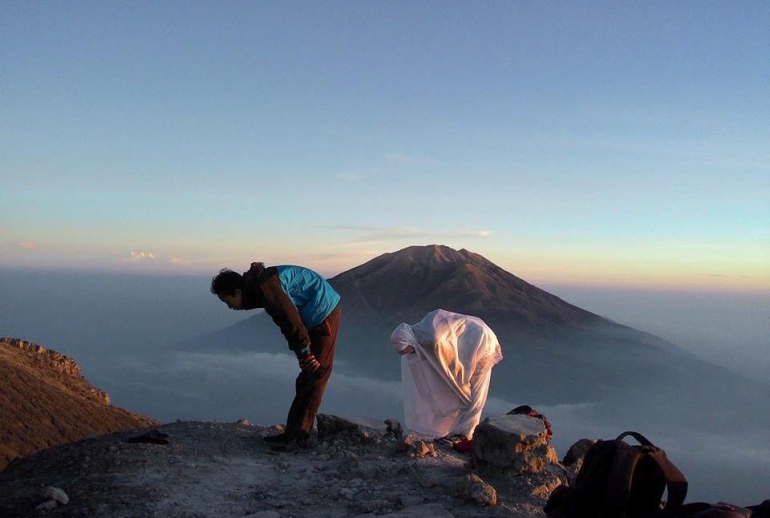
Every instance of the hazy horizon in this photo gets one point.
(727, 328)
(119, 329)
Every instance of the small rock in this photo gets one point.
(395, 428)
(472, 487)
(56, 494)
(422, 449)
(349, 455)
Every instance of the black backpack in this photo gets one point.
(617, 480)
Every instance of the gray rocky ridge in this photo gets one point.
(349, 468)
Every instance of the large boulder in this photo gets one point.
(517, 443)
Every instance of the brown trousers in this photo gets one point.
(310, 387)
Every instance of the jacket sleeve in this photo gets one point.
(284, 313)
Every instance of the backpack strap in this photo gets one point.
(676, 482)
(641, 439)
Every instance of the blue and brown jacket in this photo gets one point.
(296, 298)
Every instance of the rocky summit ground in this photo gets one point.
(212, 469)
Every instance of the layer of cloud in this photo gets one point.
(25, 244)
(260, 386)
(147, 257)
(140, 256)
(178, 260)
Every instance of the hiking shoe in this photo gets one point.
(299, 438)
(281, 438)
(294, 443)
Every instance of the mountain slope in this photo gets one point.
(45, 401)
(404, 285)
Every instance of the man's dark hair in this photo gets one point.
(226, 282)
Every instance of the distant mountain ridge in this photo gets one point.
(45, 401)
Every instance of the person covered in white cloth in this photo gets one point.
(446, 367)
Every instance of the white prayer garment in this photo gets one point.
(445, 380)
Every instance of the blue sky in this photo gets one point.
(608, 143)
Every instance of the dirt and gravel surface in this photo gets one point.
(212, 469)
